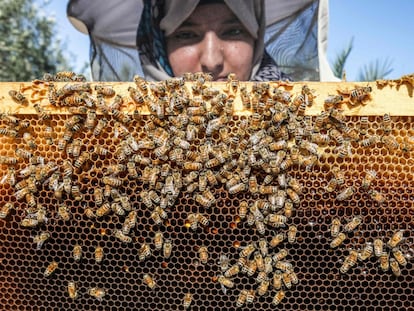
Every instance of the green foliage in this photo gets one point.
(339, 63)
(28, 45)
(376, 70)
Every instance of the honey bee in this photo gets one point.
(332, 101)
(353, 224)
(72, 291)
(335, 227)
(158, 240)
(100, 125)
(260, 226)
(51, 268)
(370, 176)
(5, 210)
(282, 254)
(122, 237)
(247, 250)
(378, 247)
(167, 248)
(263, 287)
(390, 142)
(291, 234)
(338, 240)
(8, 160)
(232, 271)
(40, 239)
(225, 283)
(97, 292)
(278, 297)
(144, 252)
(149, 281)
(293, 195)
(203, 254)
(359, 95)
(99, 254)
(77, 252)
(276, 220)
(63, 212)
(262, 243)
(384, 260)
(395, 267)
(29, 222)
(276, 240)
(18, 97)
(386, 123)
(376, 196)
(349, 261)
(103, 210)
(253, 184)
(366, 252)
(395, 239)
(29, 140)
(369, 141)
(399, 256)
(188, 298)
(241, 299)
(104, 90)
(345, 194)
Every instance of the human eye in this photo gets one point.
(185, 35)
(235, 32)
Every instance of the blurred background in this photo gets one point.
(368, 40)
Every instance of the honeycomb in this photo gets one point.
(178, 205)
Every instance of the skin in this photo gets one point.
(211, 40)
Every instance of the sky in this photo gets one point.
(381, 30)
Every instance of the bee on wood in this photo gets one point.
(18, 97)
(106, 91)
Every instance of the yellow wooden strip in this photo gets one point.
(388, 96)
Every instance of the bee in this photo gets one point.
(29, 222)
(81, 160)
(18, 97)
(395, 267)
(40, 239)
(51, 268)
(241, 299)
(5, 210)
(107, 91)
(225, 282)
(188, 298)
(338, 240)
(384, 260)
(203, 254)
(99, 254)
(101, 124)
(376, 196)
(370, 176)
(8, 160)
(112, 181)
(122, 237)
(386, 123)
(167, 248)
(378, 247)
(332, 101)
(291, 234)
(363, 125)
(282, 254)
(345, 194)
(253, 186)
(293, 195)
(8, 132)
(260, 227)
(103, 210)
(278, 297)
(29, 140)
(232, 271)
(149, 281)
(349, 261)
(276, 220)
(353, 224)
(158, 240)
(144, 251)
(24, 154)
(395, 239)
(259, 261)
(250, 296)
(366, 252)
(76, 193)
(262, 243)
(63, 212)
(390, 142)
(276, 240)
(49, 135)
(263, 287)
(90, 213)
(203, 220)
(370, 141)
(72, 291)
(399, 256)
(359, 94)
(97, 292)
(335, 227)
(247, 250)
(77, 252)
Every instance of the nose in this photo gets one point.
(212, 54)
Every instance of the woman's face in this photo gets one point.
(211, 40)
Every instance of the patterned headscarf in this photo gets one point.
(158, 14)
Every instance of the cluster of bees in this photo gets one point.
(378, 248)
(189, 149)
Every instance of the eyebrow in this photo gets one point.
(230, 21)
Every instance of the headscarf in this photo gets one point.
(160, 18)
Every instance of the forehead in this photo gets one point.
(211, 14)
